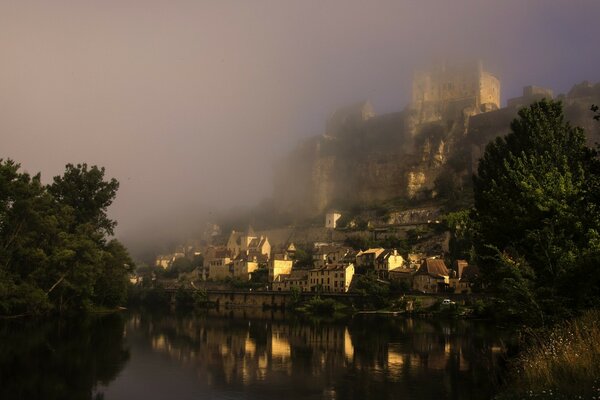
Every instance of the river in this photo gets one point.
(248, 354)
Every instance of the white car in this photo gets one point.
(447, 302)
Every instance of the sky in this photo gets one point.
(189, 103)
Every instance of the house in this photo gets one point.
(330, 254)
(278, 265)
(331, 278)
(248, 243)
(432, 276)
(163, 261)
(295, 279)
(366, 259)
(414, 260)
(403, 275)
(244, 266)
(386, 261)
(331, 219)
(463, 276)
(217, 263)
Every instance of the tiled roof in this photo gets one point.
(434, 267)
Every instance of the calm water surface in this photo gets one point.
(245, 354)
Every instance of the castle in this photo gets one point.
(365, 159)
(445, 89)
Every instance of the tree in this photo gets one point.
(53, 242)
(535, 214)
(88, 194)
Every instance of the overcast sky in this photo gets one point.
(187, 103)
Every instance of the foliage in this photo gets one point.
(376, 290)
(536, 214)
(460, 226)
(303, 258)
(54, 253)
(179, 266)
(321, 307)
(186, 298)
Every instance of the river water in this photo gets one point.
(248, 354)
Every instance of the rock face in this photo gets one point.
(363, 159)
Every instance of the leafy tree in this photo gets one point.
(535, 212)
(84, 189)
(53, 242)
(460, 226)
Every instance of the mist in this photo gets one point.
(190, 103)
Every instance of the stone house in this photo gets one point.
(296, 279)
(217, 263)
(278, 265)
(244, 266)
(331, 278)
(366, 259)
(403, 274)
(432, 277)
(330, 254)
(386, 261)
(248, 243)
(463, 276)
(331, 219)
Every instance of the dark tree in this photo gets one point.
(535, 214)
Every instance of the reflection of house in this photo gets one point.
(432, 276)
(279, 264)
(386, 261)
(331, 278)
(295, 279)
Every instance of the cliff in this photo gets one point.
(429, 149)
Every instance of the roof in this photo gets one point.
(376, 251)
(402, 270)
(433, 267)
(386, 253)
(333, 267)
(415, 257)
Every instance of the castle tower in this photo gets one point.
(446, 89)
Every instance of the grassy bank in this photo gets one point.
(561, 364)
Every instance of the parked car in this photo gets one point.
(447, 302)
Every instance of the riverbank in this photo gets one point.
(560, 363)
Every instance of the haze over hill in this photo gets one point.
(188, 104)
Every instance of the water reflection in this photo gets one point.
(60, 359)
(258, 356)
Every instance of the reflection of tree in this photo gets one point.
(60, 359)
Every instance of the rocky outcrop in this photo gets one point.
(370, 159)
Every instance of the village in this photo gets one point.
(327, 267)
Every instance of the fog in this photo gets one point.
(189, 103)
